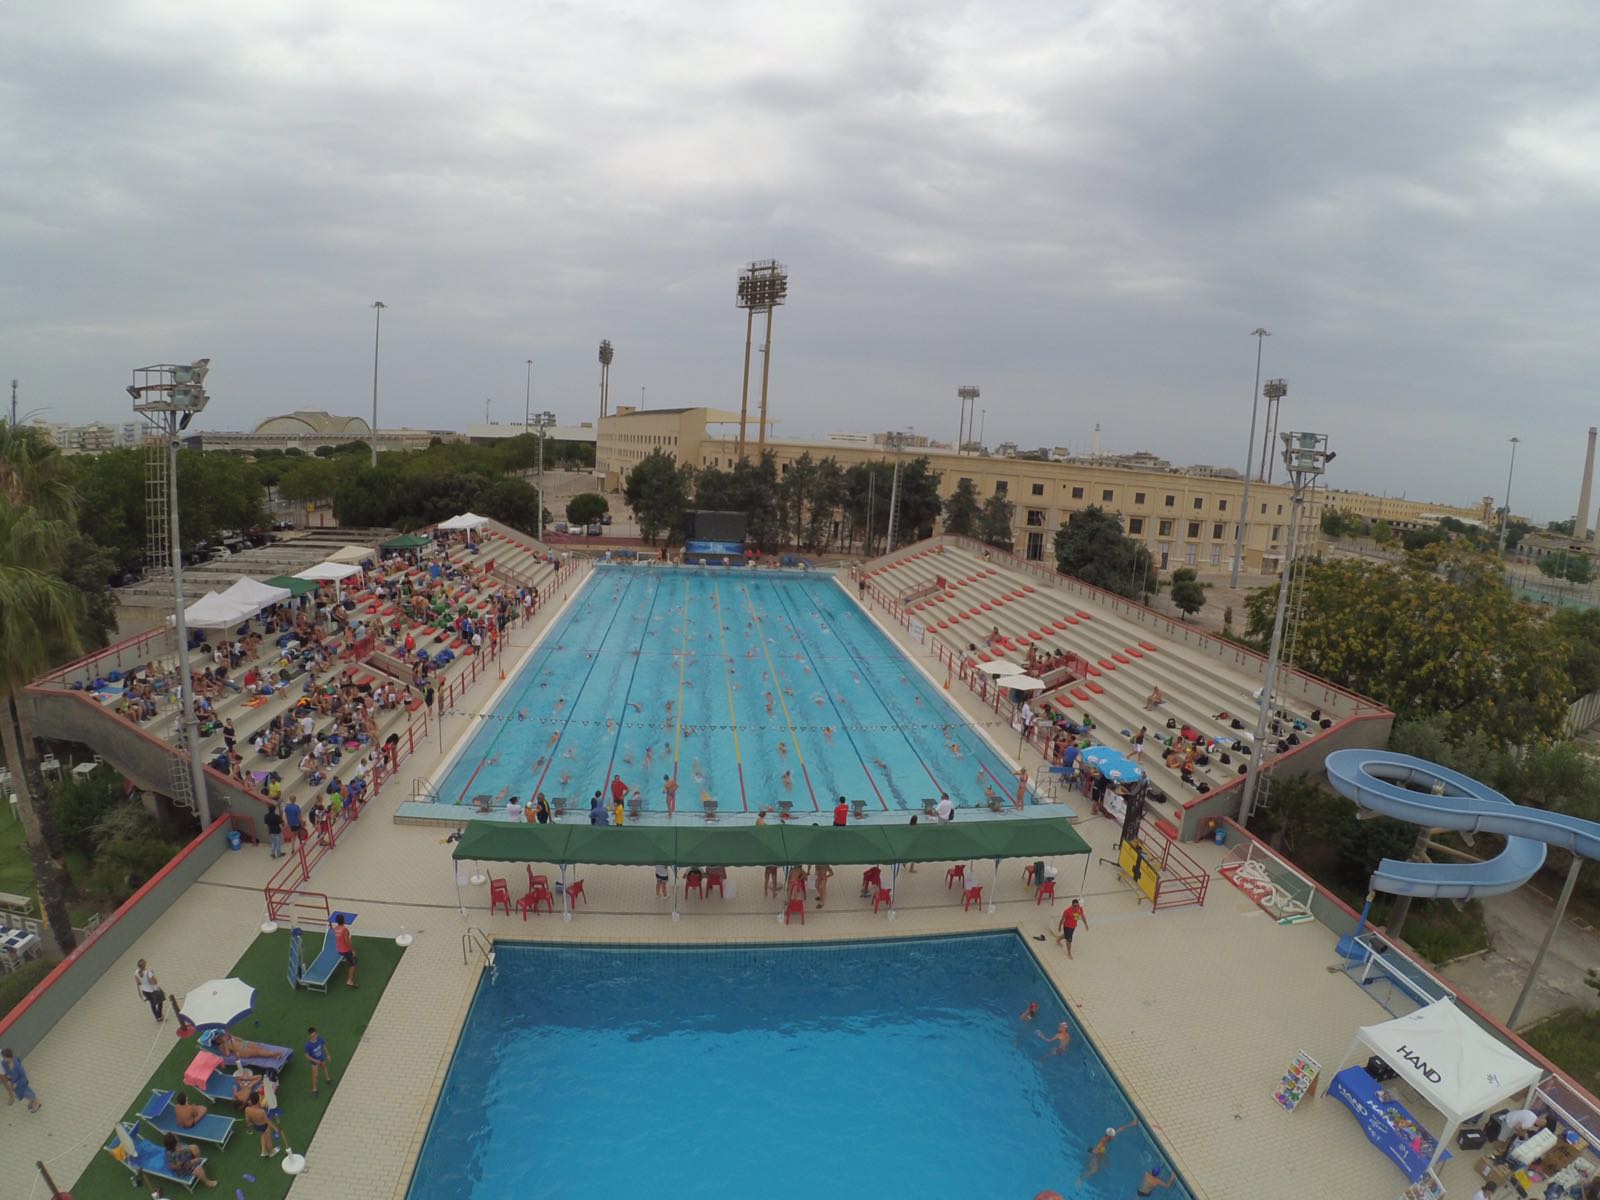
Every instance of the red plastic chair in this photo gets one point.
(499, 893)
(1047, 888)
(955, 874)
(793, 907)
(715, 879)
(696, 882)
(971, 896)
(797, 886)
(535, 880)
(575, 892)
(883, 896)
(534, 898)
(871, 880)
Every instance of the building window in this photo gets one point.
(1077, 493)
(1135, 525)
(1216, 532)
(1035, 547)
(1277, 532)
(1280, 510)
(966, 480)
(1263, 510)
(1216, 555)
(1171, 500)
(1164, 529)
(1107, 495)
(1189, 553)
(1000, 487)
(1036, 516)
(1165, 554)
(1199, 503)
(1194, 529)
(1222, 506)
(1138, 497)
(1038, 489)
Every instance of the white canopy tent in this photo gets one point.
(1450, 1060)
(354, 554)
(216, 611)
(466, 520)
(252, 591)
(329, 570)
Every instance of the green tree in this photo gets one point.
(1578, 632)
(961, 510)
(657, 490)
(1580, 568)
(512, 501)
(587, 507)
(1091, 546)
(994, 522)
(1421, 539)
(1335, 523)
(1188, 593)
(1444, 634)
(1382, 533)
(747, 487)
(1562, 527)
(308, 479)
(919, 501)
(810, 494)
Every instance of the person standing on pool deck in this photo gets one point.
(669, 788)
(1022, 788)
(822, 874)
(291, 818)
(15, 1080)
(317, 1055)
(341, 943)
(273, 820)
(597, 811)
(150, 990)
(255, 1115)
(1069, 924)
(1097, 1154)
(619, 790)
(841, 811)
(1156, 1177)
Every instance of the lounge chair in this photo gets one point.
(142, 1156)
(321, 968)
(279, 1057)
(157, 1113)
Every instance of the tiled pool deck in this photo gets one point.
(1197, 1010)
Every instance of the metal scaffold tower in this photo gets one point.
(157, 506)
(1305, 553)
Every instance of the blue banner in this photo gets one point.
(733, 550)
(1386, 1122)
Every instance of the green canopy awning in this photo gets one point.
(734, 846)
(297, 587)
(1033, 837)
(498, 841)
(846, 845)
(406, 541)
(628, 846)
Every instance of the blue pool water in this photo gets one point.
(726, 681)
(885, 1069)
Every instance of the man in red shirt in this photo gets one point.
(619, 790)
(1069, 924)
(841, 811)
(341, 943)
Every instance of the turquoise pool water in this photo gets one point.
(887, 1069)
(747, 688)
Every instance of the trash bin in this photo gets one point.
(1220, 835)
(234, 839)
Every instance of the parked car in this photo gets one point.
(559, 527)
(606, 520)
(594, 528)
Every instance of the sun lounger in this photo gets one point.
(277, 1059)
(157, 1113)
(323, 966)
(140, 1154)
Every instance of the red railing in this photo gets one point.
(133, 651)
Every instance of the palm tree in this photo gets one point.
(38, 611)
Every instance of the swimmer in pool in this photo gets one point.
(522, 714)
(783, 750)
(955, 749)
(566, 778)
(611, 725)
(1062, 1038)
(827, 733)
(649, 753)
(788, 782)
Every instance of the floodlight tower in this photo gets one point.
(1274, 390)
(763, 285)
(1260, 336)
(541, 422)
(968, 395)
(169, 396)
(377, 328)
(1305, 457)
(897, 441)
(606, 355)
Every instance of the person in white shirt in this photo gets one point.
(1520, 1122)
(944, 811)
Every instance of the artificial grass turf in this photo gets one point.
(280, 1019)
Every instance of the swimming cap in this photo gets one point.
(1156, 1171)
(1110, 1132)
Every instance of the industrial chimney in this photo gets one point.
(1580, 528)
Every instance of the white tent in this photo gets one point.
(354, 554)
(251, 591)
(466, 520)
(214, 611)
(1450, 1060)
(329, 570)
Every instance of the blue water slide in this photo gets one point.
(1378, 780)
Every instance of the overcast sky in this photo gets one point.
(1083, 208)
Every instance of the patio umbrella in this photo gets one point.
(1022, 683)
(998, 667)
(1113, 764)
(217, 1003)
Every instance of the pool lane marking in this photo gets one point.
(599, 649)
(547, 651)
(727, 683)
(844, 728)
(683, 666)
(622, 713)
(777, 686)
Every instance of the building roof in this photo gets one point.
(304, 422)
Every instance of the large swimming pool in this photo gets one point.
(746, 688)
(888, 1069)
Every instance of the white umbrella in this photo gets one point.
(217, 1003)
(1022, 683)
(997, 668)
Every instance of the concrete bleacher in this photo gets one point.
(1124, 659)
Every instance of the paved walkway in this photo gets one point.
(1197, 1010)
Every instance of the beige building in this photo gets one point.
(1405, 514)
(307, 429)
(1184, 519)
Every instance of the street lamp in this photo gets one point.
(1505, 516)
(541, 422)
(1305, 456)
(527, 397)
(377, 327)
(1260, 336)
(169, 396)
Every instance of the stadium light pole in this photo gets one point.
(1505, 515)
(377, 327)
(1305, 456)
(542, 421)
(527, 397)
(1260, 335)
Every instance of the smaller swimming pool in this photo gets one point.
(889, 1068)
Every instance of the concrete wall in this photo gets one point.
(25, 1026)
